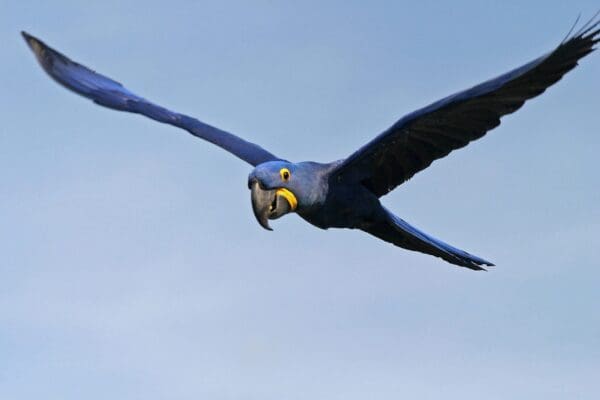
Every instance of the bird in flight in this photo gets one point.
(345, 193)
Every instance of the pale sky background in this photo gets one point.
(131, 266)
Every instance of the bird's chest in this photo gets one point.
(344, 207)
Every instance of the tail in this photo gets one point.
(394, 230)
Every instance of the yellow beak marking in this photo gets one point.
(289, 196)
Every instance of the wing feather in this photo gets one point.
(109, 93)
(421, 137)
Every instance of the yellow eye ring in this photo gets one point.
(285, 174)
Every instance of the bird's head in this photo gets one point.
(277, 188)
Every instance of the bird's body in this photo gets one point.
(346, 193)
(321, 202)
(327, 201)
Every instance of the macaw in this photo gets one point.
(346, 193)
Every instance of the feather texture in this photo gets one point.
(109, 93)
(421, 137)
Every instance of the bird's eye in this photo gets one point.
(285, 174)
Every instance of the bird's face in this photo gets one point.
(275, 190)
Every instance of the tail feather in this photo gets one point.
(400, 233)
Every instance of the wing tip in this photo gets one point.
(36, 45)
(586, 31)
(31, 40)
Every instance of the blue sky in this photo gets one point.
(132, 266)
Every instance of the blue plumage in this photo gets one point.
(112, 94)
(345, 193)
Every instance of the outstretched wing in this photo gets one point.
(420, 138)
(106, 92)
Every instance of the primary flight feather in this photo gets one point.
(345, 193)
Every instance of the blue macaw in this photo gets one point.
(345, 193)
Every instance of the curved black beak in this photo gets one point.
(267, 204)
